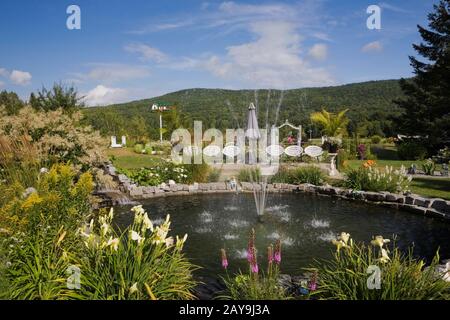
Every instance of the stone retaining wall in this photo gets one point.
(436, 208)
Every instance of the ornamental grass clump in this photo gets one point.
(256, 284)
(140, 262)
(370, 178)
(352, 273)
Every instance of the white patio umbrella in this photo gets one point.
(252, 124)
(252, 132)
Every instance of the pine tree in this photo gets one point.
(427, 102)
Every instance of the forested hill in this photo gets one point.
(370, 104)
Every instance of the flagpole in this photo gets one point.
(160, 126)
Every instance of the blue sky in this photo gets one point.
(136, 49)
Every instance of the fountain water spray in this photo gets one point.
(259, 174)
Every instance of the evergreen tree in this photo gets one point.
(427, 102)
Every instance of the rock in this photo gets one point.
(136, 192)
(422, 202)
(193, 188)
(247, 186)
(172, 183)
(163, 185)
(122, 178)
(309, 187)
(441, 205)
(374, 196)
(409, 199)
(391, 197)
(326, 190)
(203, 186)
(149, 189)
(158, 190)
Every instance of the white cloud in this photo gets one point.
(318, 51)
(111, 72)
(20, 77)
(272, 60)
(2, 84)
(393, 8)
(4, 73)
(146, 52)
(375, 46)
(102, 95)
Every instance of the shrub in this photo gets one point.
(443, 156)
(376, 139)
(138, 148)
(309, 174)
(61, 198)
(249, 175)
(196, 172)
(369, 178)
(403, 277)
(341, 159)
(256, 285)
(40, 224)
(214, 175)
(148, 149)
(57, 137)
(165, 171)
(428, 167)
(410, 150)
(141, 262)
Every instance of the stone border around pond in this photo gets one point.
(436, 208)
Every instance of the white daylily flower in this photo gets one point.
(148, 223)
(344, 237)
(133, 288)
(114, 243)
(111, 214)
(180, 242)
(384, 256)
(136, 237)
(169, 241)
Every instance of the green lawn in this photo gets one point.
(394, 163)
(126, 158)
(431, 187)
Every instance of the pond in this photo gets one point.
(305, 224)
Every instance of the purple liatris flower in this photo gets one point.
(254, 267)
(270, 254)
(224, 259)
(312, 285)
(251, 246)
(277, 255)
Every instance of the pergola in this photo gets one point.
(299, 129)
